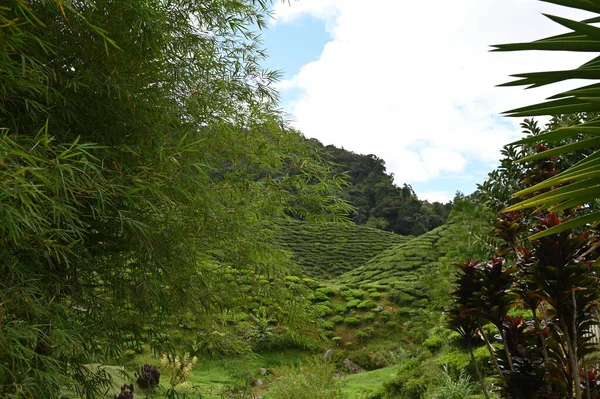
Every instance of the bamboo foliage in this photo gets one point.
(141, 157)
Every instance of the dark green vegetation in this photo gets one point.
(575, 186)
(377, 200)
(536, 307)
(147, 182)
(142, 158)
(389, 311)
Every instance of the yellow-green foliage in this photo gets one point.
(313, 379)
(179, 369)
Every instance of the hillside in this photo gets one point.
(378, 200)
(327, 250)
(400, 265)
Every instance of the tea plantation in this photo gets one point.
(373, 298)
(329, 249)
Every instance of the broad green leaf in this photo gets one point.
(587, 5)
(561, 134)
(579, 27)
(556, 198)
(575, 172)
(556, 107)
(579, 145)
(581, 200)
(570, 224)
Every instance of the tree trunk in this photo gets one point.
(492, 351)
(572, 357)
(574, 343)
(508, 357)
(479, 377)
(588, 393)
(537, 324)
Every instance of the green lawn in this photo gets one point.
(358, 386)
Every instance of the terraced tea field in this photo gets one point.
(400, 268)
(329, 250)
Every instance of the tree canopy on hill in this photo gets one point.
(378, 201)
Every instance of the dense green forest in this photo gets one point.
(377, 201)
(165, 233)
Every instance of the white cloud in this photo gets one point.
(287, 10)
(437, 196)
(413, 82)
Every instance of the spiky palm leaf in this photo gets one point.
(579, 184)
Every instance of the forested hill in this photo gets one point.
(378, 201)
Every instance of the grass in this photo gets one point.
(361, 385)
(210, 377)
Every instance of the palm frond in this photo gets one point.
(579, 185)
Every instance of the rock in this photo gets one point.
(263, 371)
(352, 367)
(328, 354)
(379, 309)
(258, 383)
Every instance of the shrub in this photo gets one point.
(353, 303)
(129, 353)
(385, 357)
(323, 310)
(455, 360)
(366, 305)
(313, 379)
(391, 324)
(409, 382)
(353, 321)
(336, 340)
(341, 309)
(448, 388)
(401, 298)
(386, 315)
(148, 377)
(327, 325)
(326, 290)
(310, 282)
(375, 295)
(433, 343)
(180, 369)
(365, 358)
(337, 319)
(126, 392)
(352, 294)
(369, 316)
(321, 296)
(362, 336)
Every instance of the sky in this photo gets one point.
(413, 81)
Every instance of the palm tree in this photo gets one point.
(579, 185)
